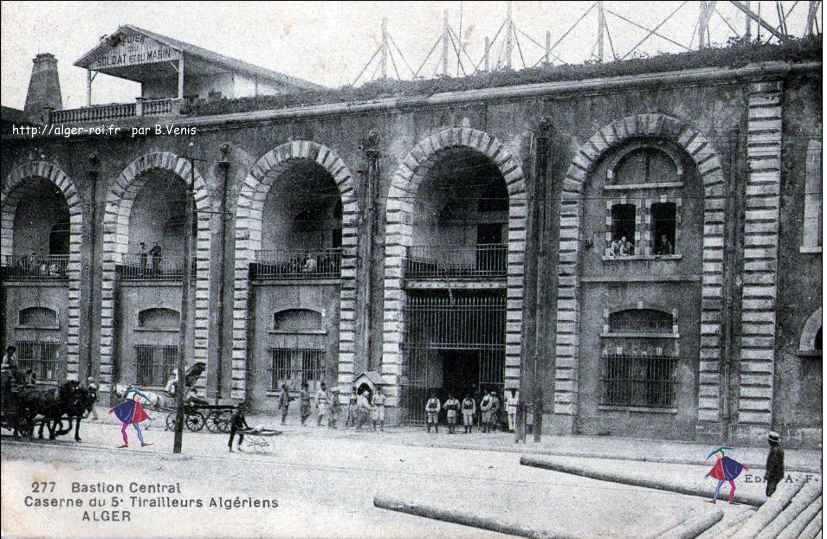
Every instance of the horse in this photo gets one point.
(53, 403)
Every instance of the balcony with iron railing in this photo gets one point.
(483, 261)
(138, 267)
(301, 264)
(117, 111)
(34, 267)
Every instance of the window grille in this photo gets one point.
(641, 321)
(155, 363)
(638, 381)
(41, 357)
(297, 366)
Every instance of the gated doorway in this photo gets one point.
(454, 342)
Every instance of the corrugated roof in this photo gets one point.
(231, 64)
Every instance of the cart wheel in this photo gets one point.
(224, 421)
(170, 421)
(194, 421)
(214, 422)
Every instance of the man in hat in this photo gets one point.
(775, 463)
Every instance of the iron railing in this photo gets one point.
(35, 267)
(279, 264)
(444, 261)
(638, 381)
(139, 267)
(155, 363)
(297, 366)
(40, 357)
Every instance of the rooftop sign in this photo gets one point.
(133, 49)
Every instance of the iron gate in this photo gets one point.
(453, 343)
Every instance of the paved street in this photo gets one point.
(325, 482)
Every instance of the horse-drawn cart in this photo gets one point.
(14, 415)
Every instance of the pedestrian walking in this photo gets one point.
(237, 423)
(511, 400)
(304, 403)
(131, 412)
(322, 403)
(284, 401)
(92, 387)
(451, 412)
(432, 407)
(469, 410)
(350, 412)
(378, 410)
(775, 463)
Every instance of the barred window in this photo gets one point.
(296, 366)
(155, 363)
(638, 381)
(41, 357)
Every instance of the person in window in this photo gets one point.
(309, 265)
(143, 257)
(626, 247)
(664, 246)
(155, 253)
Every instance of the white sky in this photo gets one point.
(328, 42)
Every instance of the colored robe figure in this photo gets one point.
(725, 469)
(131, 412)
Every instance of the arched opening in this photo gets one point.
(460, 222)
(157, 229)
(41, 232)
(301, 225)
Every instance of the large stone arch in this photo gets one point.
(398, 236)
(119, 200)
(808, 333)
(10, 198)
(708, 164)
(248, 238)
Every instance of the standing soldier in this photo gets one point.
(350, 413)
(775, 463)
(322, 403)
(362, 410)
(335, 408)
(432, 408)
(451, 411)
(378, 411)
(485, 408)
(511, 400)
(469, 409)
(284, 401)
(496, 407)
(304, 400)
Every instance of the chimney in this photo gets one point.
(44, 89)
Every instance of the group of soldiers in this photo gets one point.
(487, 410)
(362, 407)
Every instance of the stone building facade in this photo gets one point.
(645, 250)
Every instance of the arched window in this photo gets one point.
(810, 342)
(38, 317)
(159, 318)
(641, 321)
(297, 320)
